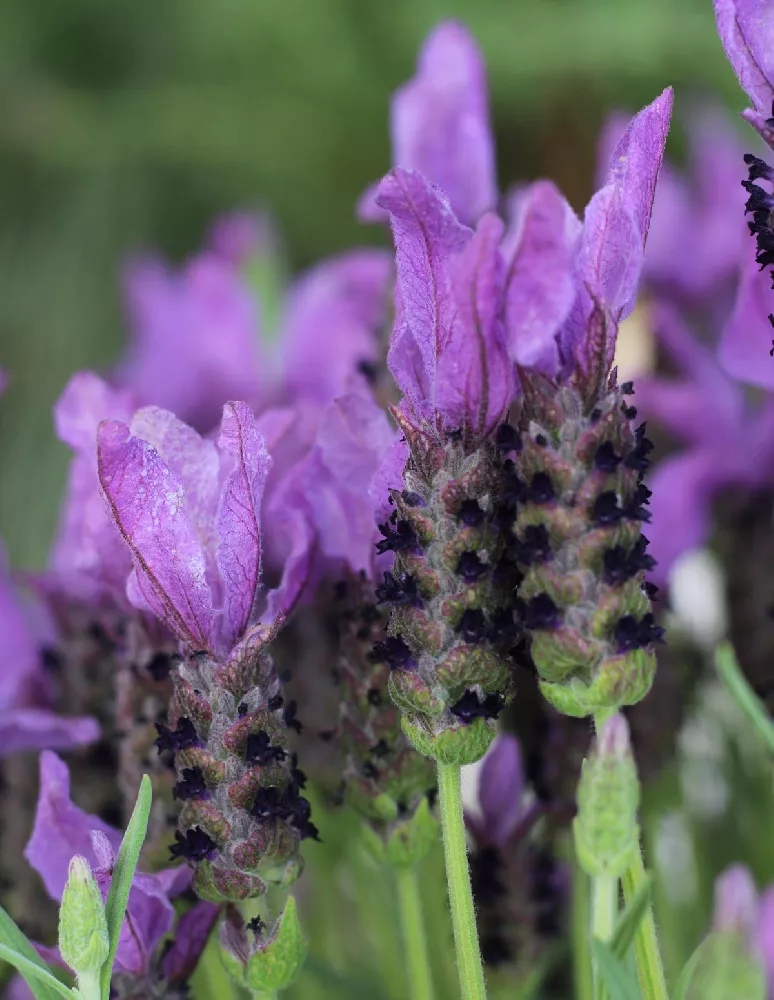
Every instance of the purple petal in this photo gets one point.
(147, 503)
(440, 122)
(239, 517)
(746, 29)
(194, 461)
(87, 400)
(191, 935)
(388, 476)
(500, 790)
(764, 935)
(37, 729)
(746, 339)
(611, 253)
(682, 487)
(407, 365)
(736, 901)
(238, 236)
(539, 285)
(636, 159)
(474, 378)
(427, 236)
(61, 829)
(330, 327)
(200, 323)
(298, 562)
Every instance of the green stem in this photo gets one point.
(650, 970)
(89, 986)
(743, 694)
(469, 968)
(414, 940)
(581, 955)
(604, 905)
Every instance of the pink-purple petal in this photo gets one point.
(36, 728)
(746, 29)
(146, 501)
(440, 122)
(239, 517)
(500, 790)
(746, 339)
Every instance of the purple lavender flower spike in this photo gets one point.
(745, 341)
(147, 503)
(242, 817)
(500, 791)
(200, 323)
(540, 285)
(440, 126)
(88, 560)
(746, 29)
(329, 324)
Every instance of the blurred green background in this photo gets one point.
(128, 125)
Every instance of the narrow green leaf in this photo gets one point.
(744, 696)
(620, 983)
(630, 919)
(123, 873)
(39, 980)
(12, 937)
(684, 982)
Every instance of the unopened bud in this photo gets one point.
(265, 964)
(727, 969)
(606, 830)
(83, 931)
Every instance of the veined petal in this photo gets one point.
(147, 503)
(239, 517)
(746, 339)
(746, 29)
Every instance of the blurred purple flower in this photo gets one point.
(501, 789)
(62, 830)
(190, 514)
(746, 29)
(26, 723)
(440, 126)
(728, 441)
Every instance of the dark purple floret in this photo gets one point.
(289, 716)
(472, 625)
(627, 388)
(651, 589)
(470, 567)
(534, 546)
(412, 499)
(194, 845)
(538, 612)
(630, 412)
(394, 652)
(260, 750)
(471, 707)
(632, 634)
(638, 457)
(275, 702)
(542, 488)
(160, 665)
(401, 589)
(620, 565)
(506, 573)
(192, 784)
(503, 628)
(471, 513)
(635, 509)
(513, 490)
(606, 510)
(182, 737)
(256, 925)
(758, 169)
(507, 438)
(605, 458)
(401, 538)
(760, 204)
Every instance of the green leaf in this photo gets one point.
(15, 940)
(620, 983)
(38, 978)
(630, 919)
(681, 989)
(123, 873)
(744, 696)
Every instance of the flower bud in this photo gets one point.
(263, 963)
(606, 830)
(83, 931)
(727, 970)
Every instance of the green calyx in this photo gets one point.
(406, 842)
(462, 744)
(83, 931)
(725, 969)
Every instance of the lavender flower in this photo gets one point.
(190, 514)
(518, 885)
(61, 831)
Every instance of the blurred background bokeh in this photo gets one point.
(125, 126)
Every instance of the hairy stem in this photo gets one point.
(650, 969)
(469, 967)
(414, 939)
